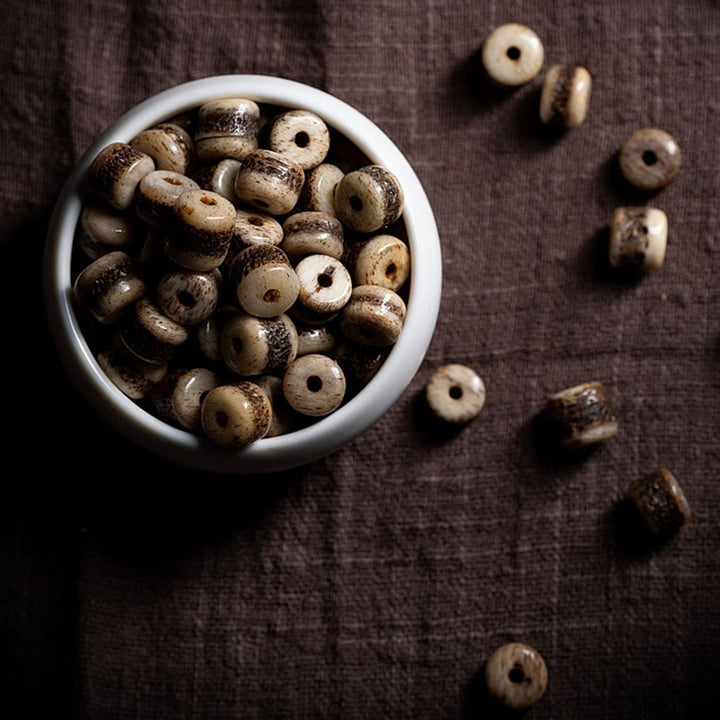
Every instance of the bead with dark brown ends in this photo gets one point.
(455, 393)
(311, 232)
(156, 195)
(373, 316)
(226, 128)
(253, 227)
(150, 334)
(269, 182)
(513, 54)
(207, 333)
(318, 192)
(234, 416)
(132, 376)
(265, 283)
(186, 296)
(108, 286)
(581, 415)
(565, 97)
(219, 177)
(169, 145)
(369, 199)
(650, 158)
(381, 259)
(661, 503)
(301, 136)
(314, 385)
(115, 172)
(516, 676)
(102, 230)
(324, 284)
(638, 238)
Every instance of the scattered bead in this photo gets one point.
(516, 676)
(301, 136)
(318, 192)
(314, 385)
(513, 54)
(269, 181)
(373, 316)
(369, 199)
(227, 128)
(455, 393)
(565, 96)
(638, 238)
(310, 233)
(324, 284)
(650, 158)
(186, 296)
(151, 335)
(382, 260)
(169, 145)
(661, 503)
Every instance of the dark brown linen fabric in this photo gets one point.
(376, 582)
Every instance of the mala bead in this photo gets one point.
(156, 195)
(360, 363)
(283, 418)
(200, 238)
(132, 376)
(101, 231)
(315, 339)
(582, 415)
(661, 503)
(115, 172)
(638, 238)
(235, 415)
(513, 54)
(303, 314)
(318, 192)
(314, 385)
(257, 346)
(109, 285)
(265, 283)
(269, 181)
(301, 136)
(169, 145)
(187, 297)
(150, 334)
(382, 260)
(565, 96)
(650, 158)
(252, 227)
(373, 316)
(178, 397)
(310, 233)
(219, 178)
(207, 333)
(455, 393)
(369, 199)
(324, 283)
(227, 128)
(516, 676)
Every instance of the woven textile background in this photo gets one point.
(376, 582)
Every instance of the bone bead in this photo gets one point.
(187, 297)
(314, 385)
(257, 346)
(324, 284)
(236, 415)
(301, 136)
(638, 238)
(265, 283)
(169, 145)
(310, 233)
(565, 97)
(516, 676)
(315, 339)
(582, 415)
(513, 54)
(115, 172)
(128, 373)
(373, 316)
(650, 158)
(318, 192)
(455, 393)
(156, 195)
(660, 502)
(150, 334)
(253, 227)
(207, 334)
(108, 286)
(369, 199)
(283, 417)
(227, 128)
(102, 230)
(303, 314)
(269, 181)
(382, 260)
(200, 238)
(219, 178)
(360, 363)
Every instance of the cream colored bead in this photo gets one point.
(318, 192)
(650, 158)
(301, 136)
(102, 230)
(253, 227)
(310, 233)
(369, 199)
(638, 238)
(207, 334)
(516, 676)
(186, 296)
(115, 172)
(169, 145)
(283, 417)
(660, 502)
(128, 373)
(150, 334)
(455, 393)
(513, 54)
(373, 316)
(234, 416)
(315, 339)
(156, 195)
(382, 260)
(219, 178)
(227, 128)
(325, 284)
(314, 385)
(269, 181)
(565, 97)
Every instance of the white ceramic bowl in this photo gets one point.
(331, 432)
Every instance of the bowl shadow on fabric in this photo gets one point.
(594, 264)
(616, 190)
(431, 429)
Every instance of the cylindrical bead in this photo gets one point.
(226, 128)
(324, 283)
(373, 316)
(102, 230)
(315, 339)
(253, 227)
(650, 158)
(565, 97)
(314, 385)
(150, 334)
(513, 54)
(269, 181)
(128, 373)
(157, 193)
(516, 676)
(661, 503)
(360, 363)
(318, 192)
(301, 136)
(310, 233)
(186, 296)
(169, 145)
(638, 238)
(369, 199)
(455, 393)
(382, 260)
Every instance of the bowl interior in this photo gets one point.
(327, 434)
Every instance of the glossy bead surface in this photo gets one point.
(115, 172)
(169, 145)
(382, 260)
(129, 374)
(455, 393)
(235, 415)
(373, 316)
(360, 363)
(310, 233)
(318, 192)
(227, 128)
(565, 97)
(156, 195)
(369, 199)
(315, 339)
(283, 416)
(253, 227)
(269, 181)
(150, 334)
(324, 284)
(102, 230)
(516, 676)
(301, 136)
(638, 238)
(513, 54)
(661, 503)
(314, 385)
(650, 158)
(219, 178)
(187, 297)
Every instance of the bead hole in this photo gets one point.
(391, 270)
(221, 418)
(302, 139)
(649, 157)
(205, 200)
(324, 280)
(513, 52)
(314, 383)
(185, 298)
(256, 221)
(271, 296)
(455, 392)
(356, 203)
(237, 345)
(172, 181)
(516, 675)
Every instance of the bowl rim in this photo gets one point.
(329, 433)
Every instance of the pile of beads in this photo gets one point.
(242, 269)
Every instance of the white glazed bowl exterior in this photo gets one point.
(328, 434)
